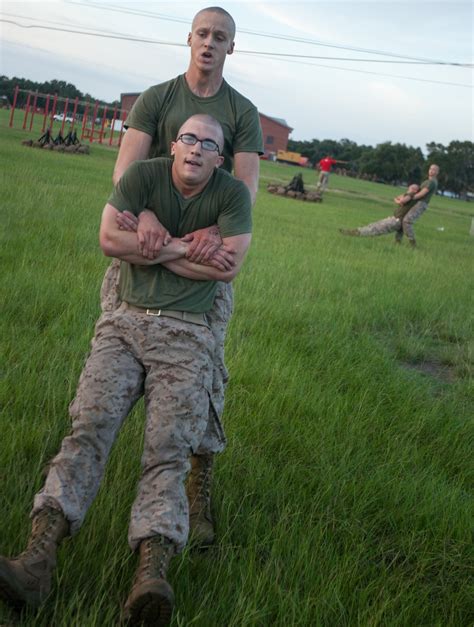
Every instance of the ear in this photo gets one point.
(230, 49)
(220, 161)
(189, 39)
(173, 148)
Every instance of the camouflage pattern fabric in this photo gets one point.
(381, 227)
(218, 318)
(132, 354)
(109, 291)
(410, 218)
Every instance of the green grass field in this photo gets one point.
(345, 494)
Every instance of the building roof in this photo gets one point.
(280, 121)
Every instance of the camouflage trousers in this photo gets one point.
(381, 227)
(409, 219)
(132, 354)
(218, 318)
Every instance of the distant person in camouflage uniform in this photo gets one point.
(406, 214)
(152, 124)
(392, 223)
(158, 341)
(428, 188)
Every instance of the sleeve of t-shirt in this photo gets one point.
(236, 215)
(248, 136)
(131, 192)
(145, 112)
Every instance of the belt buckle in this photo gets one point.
(150, 313)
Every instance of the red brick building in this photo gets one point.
(275, 134)
(275, 130)
(127, 100)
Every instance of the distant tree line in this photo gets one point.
(388, 163)
(61, 88)
(397, 163)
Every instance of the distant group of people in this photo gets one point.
(179, 225)
(410, 207)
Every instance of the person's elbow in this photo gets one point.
(227, 276)
(107, 244)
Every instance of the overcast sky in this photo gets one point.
(364, 101)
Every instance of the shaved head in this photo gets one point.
(209, 121)
(220, 11)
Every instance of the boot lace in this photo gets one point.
(156, 556)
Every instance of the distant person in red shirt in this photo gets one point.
(325, 167)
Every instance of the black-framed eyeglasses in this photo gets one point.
(207, 144)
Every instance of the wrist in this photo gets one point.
(144, 212)
(180, 246)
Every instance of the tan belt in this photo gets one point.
(185, 316)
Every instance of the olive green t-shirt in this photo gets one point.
(224, 201)
(162, 109)
(432, 185)
(401, 210)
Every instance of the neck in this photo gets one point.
(203, 84)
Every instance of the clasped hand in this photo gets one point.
(205, 246)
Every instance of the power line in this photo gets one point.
(93, 33)
(408, 78)
(270, 55)
(112, 34)
(160, 16)
(312, 56)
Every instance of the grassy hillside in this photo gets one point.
(345, 494)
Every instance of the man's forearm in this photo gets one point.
(247, 169)
(201, 272)
(421, 194)
(197, 272)
(124, 245)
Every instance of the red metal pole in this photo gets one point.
(15, 96)
(112, 125)
(104, 117)
(76, 102)
(46, 109)
(53, 111)
(96, 108)
(35, 99)
(64, 115)
(27, 110)
(84, 119)
(124, 117)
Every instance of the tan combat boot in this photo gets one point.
(198, 489)
(151, 599)
(26, 579)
